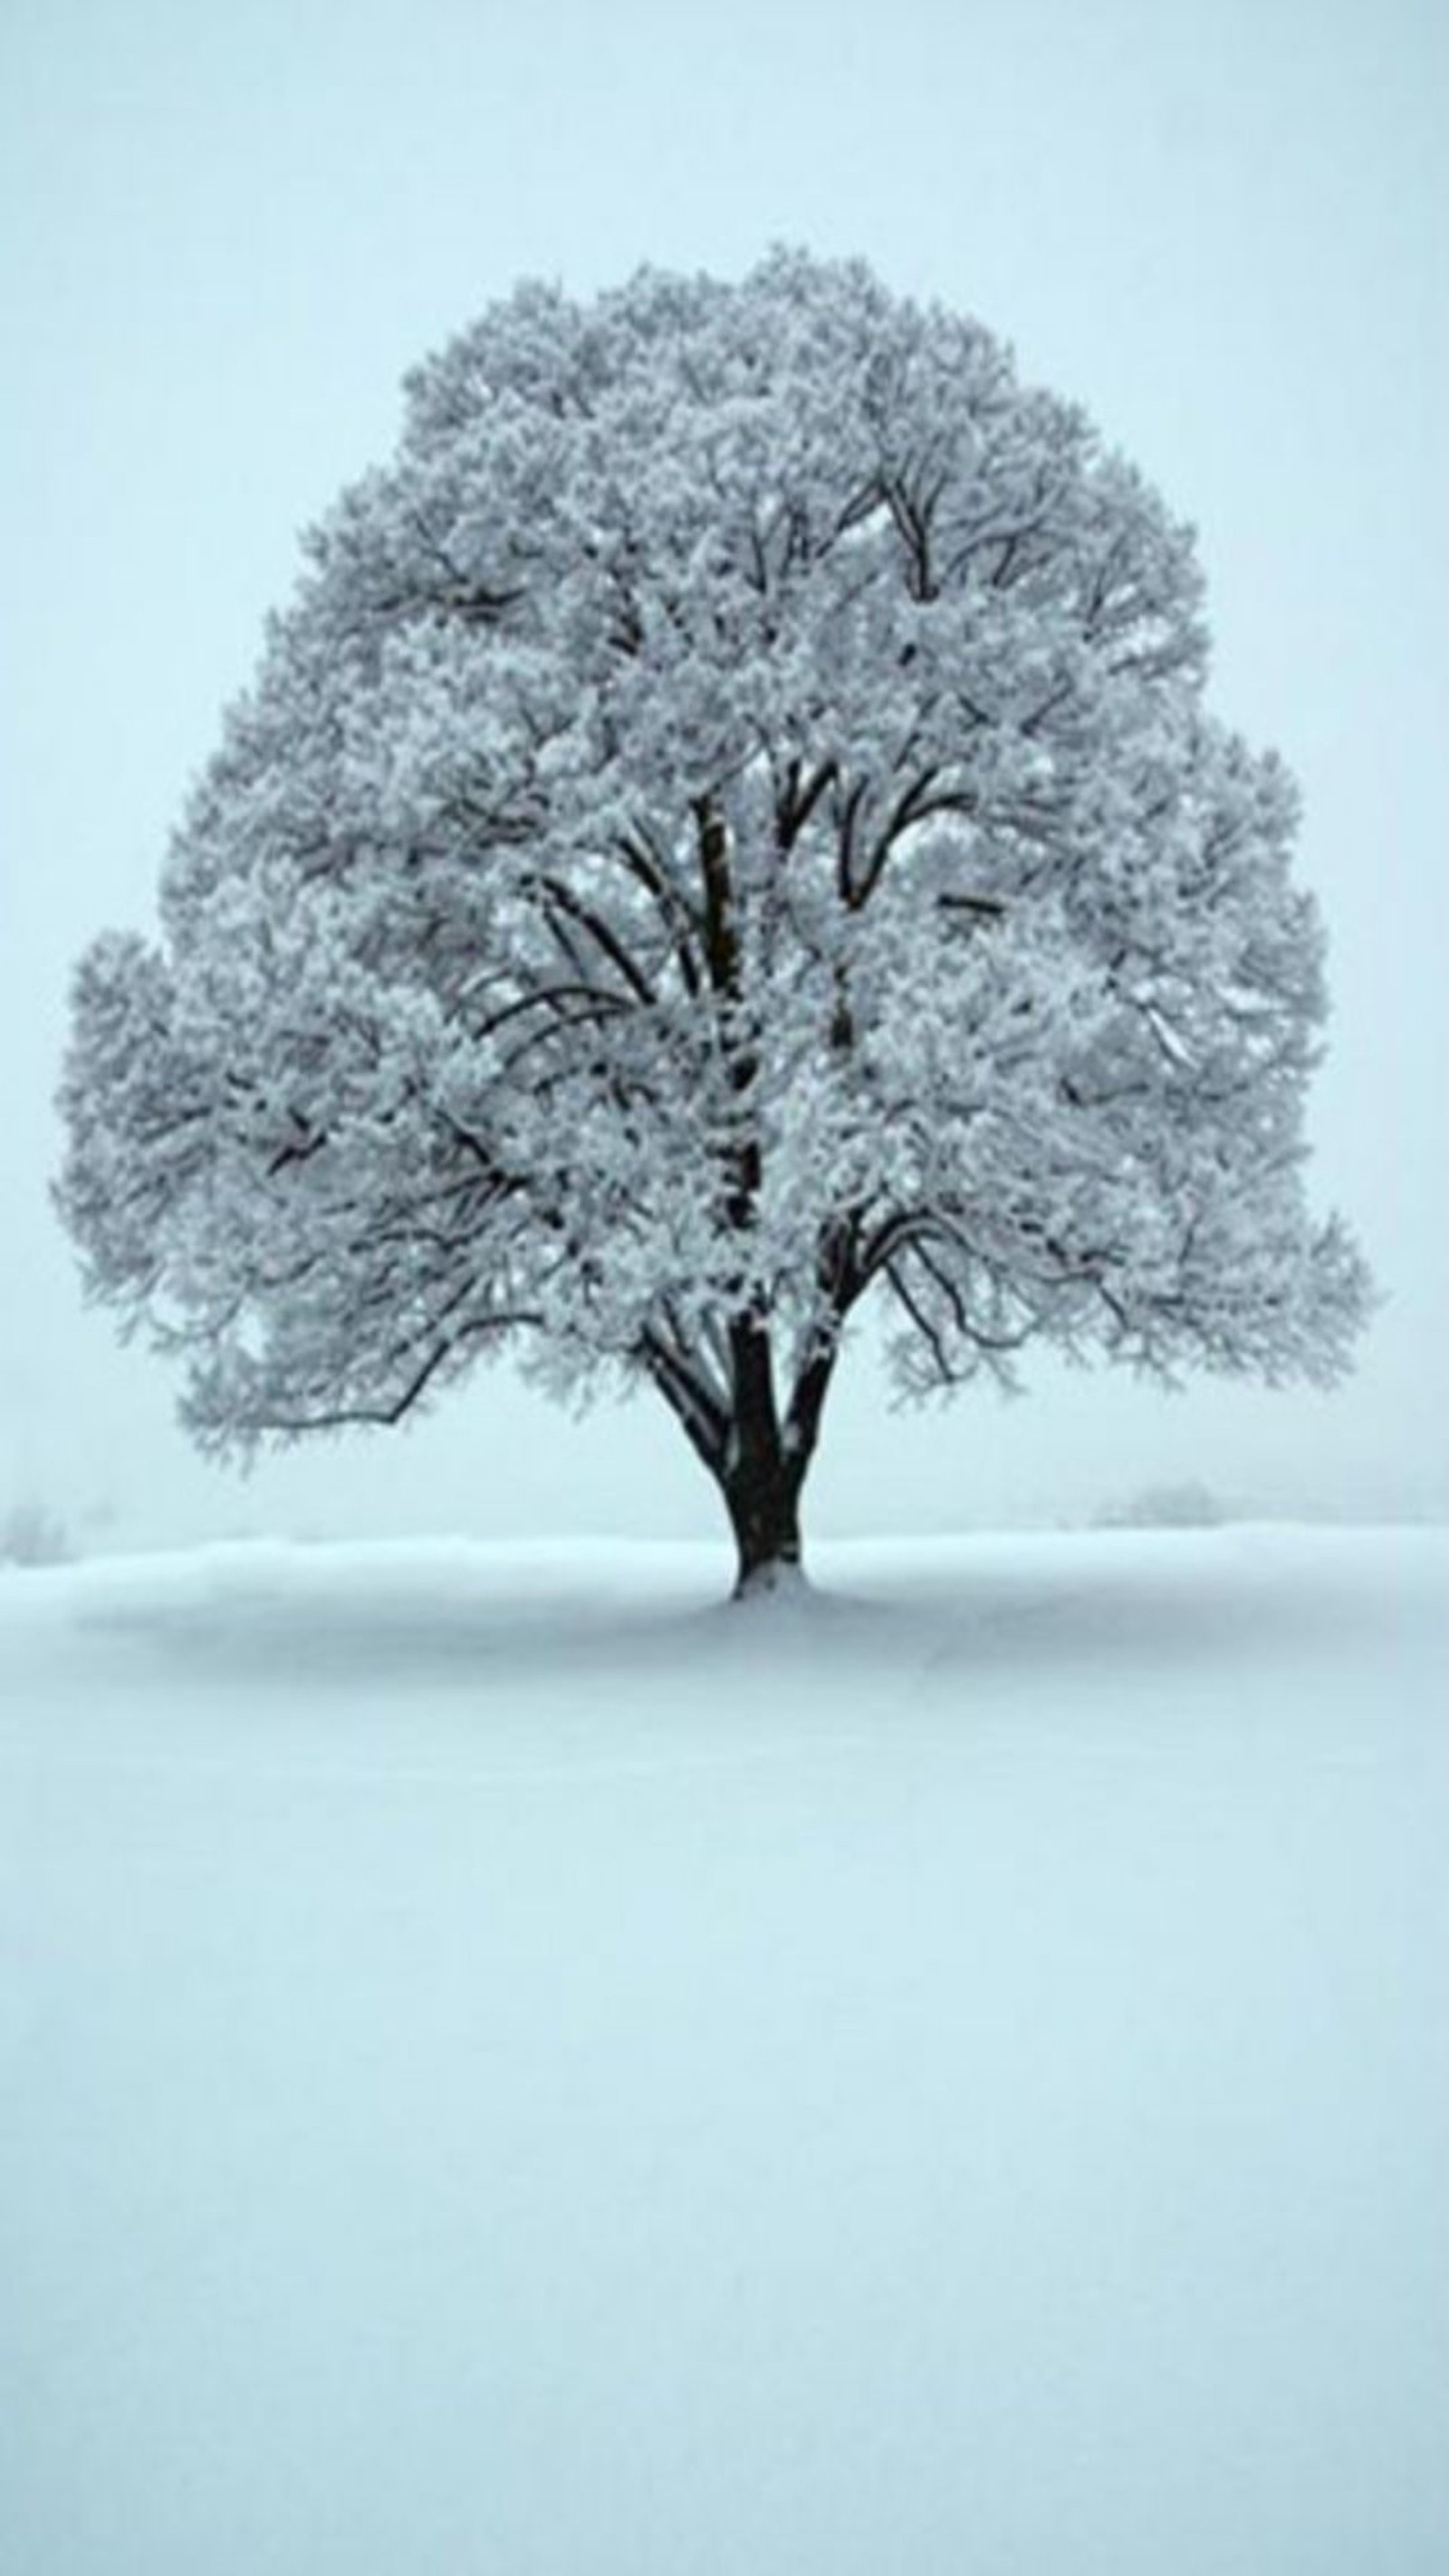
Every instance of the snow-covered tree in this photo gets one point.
(726, 828)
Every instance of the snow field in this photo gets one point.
(509, 2066)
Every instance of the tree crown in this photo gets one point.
(727, 822)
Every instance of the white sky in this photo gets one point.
(226, 234)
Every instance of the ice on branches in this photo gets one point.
(727, 827)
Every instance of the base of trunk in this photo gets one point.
(764, 1514)
(781, 1578)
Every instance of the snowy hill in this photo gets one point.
(511, 2066)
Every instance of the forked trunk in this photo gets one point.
(756, 1452)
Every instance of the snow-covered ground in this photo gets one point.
(511, 2069)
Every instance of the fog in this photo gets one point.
(227, 234)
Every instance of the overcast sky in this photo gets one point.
(228, 231)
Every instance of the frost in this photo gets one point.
(727, 827)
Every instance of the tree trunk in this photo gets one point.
(756, 1453)
(762, 1498)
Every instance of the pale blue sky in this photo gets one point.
(226, 234)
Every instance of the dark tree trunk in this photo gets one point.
(763, 1467)
(763, 1502)
(756, 1450)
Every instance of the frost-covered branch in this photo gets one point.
(728, 826)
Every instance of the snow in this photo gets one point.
(509, 2065)
(725, 838)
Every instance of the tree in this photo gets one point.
(726, 827)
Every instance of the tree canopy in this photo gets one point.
(727, 827)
